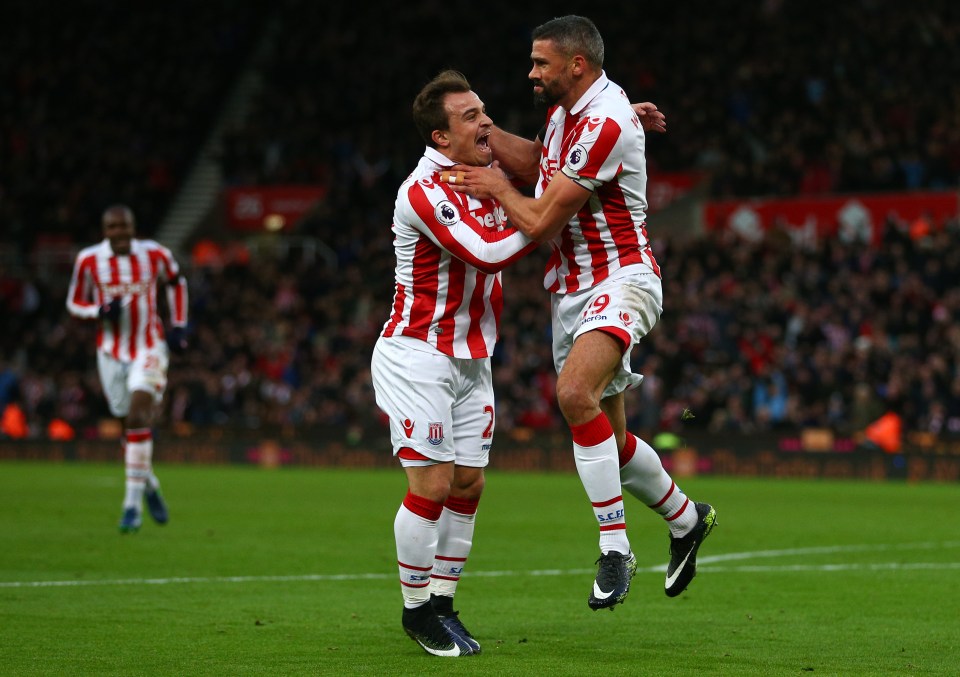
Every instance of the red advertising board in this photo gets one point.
(852, 217)
(275, 208)
(665, 187)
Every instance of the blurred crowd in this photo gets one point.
(105, 102)
(754, 337)
(767, 97)
(110, 102)
(777, 97)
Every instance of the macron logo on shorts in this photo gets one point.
(408, 427)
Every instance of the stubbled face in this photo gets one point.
(119, 229)
(469, 130)
(550, 73)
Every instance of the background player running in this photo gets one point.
(115, 282)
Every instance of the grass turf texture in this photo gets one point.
(293, 572)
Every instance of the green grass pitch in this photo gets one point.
(293, 572)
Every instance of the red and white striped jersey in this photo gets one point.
(450, 249)
(599, 144)
(100, 276)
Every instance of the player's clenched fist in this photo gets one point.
(110, 310)
(177, 339)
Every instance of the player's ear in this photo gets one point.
(440, 138)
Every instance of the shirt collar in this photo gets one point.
(438, 158)
(590, 94)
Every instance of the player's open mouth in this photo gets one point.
(483, 142)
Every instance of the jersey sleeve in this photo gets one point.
(80, 296)
(595, 157)
(176, 289)
(177, 298)
(442, 215)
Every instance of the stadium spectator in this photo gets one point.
(60, 431)
(115, 283)
(605, 287)
(13, 422)
(431, 365)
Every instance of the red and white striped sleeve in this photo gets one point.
(476, 236)
(177, 298)
(591, 160)
(81, 297)
(176, 288)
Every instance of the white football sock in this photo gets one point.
(453, 546)
(595, 452)
(642, 474)
(137, 456)
(416, 533)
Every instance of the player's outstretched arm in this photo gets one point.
(540, 219)
(517, 156)
(430, 209)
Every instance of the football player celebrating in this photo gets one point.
(590, 170)
(431, 365)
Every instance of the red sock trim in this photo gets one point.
(410, 566)
(678, 512)
(464, 506)
(673, 485)
(629, 449)
(424, 507)
(450, 559)
(604, 504)
(139, 435)
(592, 433)
(613, 527)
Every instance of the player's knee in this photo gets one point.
(137, 419)
(437, 489)
(468, 485)
(575, 401)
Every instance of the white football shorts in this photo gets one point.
(440, 406)
(624, 305)
(148, 372)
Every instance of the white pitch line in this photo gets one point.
(875, 566)
(659, 568)
(826, 550)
